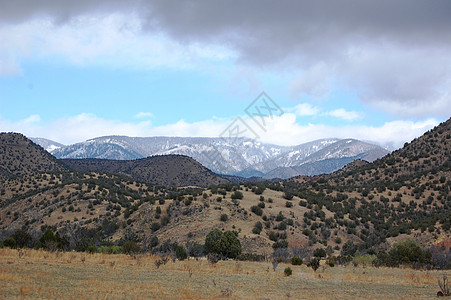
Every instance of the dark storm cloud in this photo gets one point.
(389, 51)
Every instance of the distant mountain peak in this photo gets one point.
(241, 156)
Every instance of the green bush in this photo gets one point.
(180, 253)
(130, 247)
(51, 241)
(225, 244)
(406, 252)
(224, 218)
(115, 249)
(237, 195)
(91, 249)
(257, 210)
(155, 226)
(10, 242)
(365, 260)
(288, 271)
(257, 228)
(288, 195)
(23, 238)
(296, 261)
(314, 263)
(348, 249)
(319, 252)
(212, 241)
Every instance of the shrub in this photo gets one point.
(314, 263)
(257, 228)
(10, 242)
(130, 247)
(224, 218)
(225, 244)
(406, 252)
(51, 241)
(237, 195)
(365, 260)
(165, 221)
(288, 204)
(349, 248)
(155, 226)
(320, 252)
(153, 241)
(91, 249)
(180, 253)
(282, 226)
(251, 257)
(280, 244)
(288, 195)
(115, 249)
(231, 246)
(212, 241)
(23, 238)
(296, 261)
(257, 210)
(288, 271)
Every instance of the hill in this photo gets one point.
(406, 193)
(20, 156)
(164, 170)
(364, 206)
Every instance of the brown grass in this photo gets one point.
(40, 274)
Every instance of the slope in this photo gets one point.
(20, 156)
(165, 170)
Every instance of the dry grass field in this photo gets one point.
(29, 274)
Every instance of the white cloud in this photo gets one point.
(306, 109)
(283, 130)
(143, 115)
(115, 41)
(341, 113)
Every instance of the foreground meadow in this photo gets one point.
(72, 275)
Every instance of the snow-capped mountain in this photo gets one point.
(48, 145)
(242, 157)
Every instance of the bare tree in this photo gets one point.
(444, 286)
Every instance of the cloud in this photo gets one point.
(343, 114)
(393, 54)
(143, 115)
(285, 130)
(314, 81)
(306, 109)
(75, 128)
(114, 41)
(281, 130)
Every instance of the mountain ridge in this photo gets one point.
(238, 157)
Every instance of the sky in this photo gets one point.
(371, 70)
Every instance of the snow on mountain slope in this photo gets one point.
(225, 156)
(48, 145)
